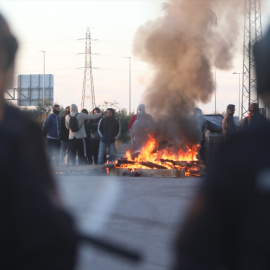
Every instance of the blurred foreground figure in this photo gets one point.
(228, 224)
(35, 230)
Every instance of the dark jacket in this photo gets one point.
(109, 129)
(93, 125)
(64, 130)
(256, 120)
(228, 224)
(35, 230)
(52, 127)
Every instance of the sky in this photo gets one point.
(59, 27)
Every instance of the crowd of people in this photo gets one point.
(88, 144)
(96, 135)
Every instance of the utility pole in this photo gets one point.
(129, 85)
(252, 33)
(88, 94)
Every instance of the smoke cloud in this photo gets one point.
(182, 47)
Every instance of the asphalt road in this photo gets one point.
(137, 213)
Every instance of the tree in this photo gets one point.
(44, 109)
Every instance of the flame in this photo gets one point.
(164, 157)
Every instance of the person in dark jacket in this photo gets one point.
(36, 231)
(227, 225)
(246, 120)
(109, 130)
(88, 160)
(228, 126)
(256, 118)
(95, 138)
(52, 132)
(65, 152)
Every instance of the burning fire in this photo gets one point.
(153, 156)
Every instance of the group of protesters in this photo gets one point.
(254, 119)
(94, 135)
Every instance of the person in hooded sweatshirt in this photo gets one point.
(36, 231)
(140, 126)
(77, 139)
(52, 131)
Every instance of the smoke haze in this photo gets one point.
(182, 47)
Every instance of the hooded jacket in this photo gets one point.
(81, 118)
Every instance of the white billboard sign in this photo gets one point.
(30, 89)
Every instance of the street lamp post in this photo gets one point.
(239, 110)
(129, 58)
(43, 91)
(129, 98)
(215, 91)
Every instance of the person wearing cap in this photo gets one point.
(228, 126)
(109, 129)
(227, 224)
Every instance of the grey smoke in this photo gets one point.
(182, 47)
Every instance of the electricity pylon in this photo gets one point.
(252, 33)
(88, 93)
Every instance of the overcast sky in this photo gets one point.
(56, 27)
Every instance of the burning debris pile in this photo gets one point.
(160, 157)
(182, 47)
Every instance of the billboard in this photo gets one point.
(30, 89)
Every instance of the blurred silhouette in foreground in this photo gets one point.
(35, 230)
(227, 225)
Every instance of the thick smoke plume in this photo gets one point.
(182, 47)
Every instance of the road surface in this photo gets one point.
(138, 213)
